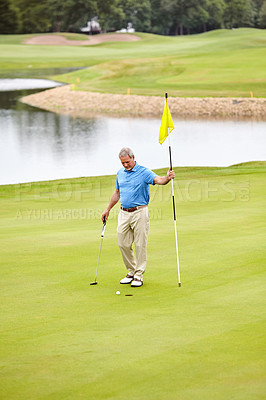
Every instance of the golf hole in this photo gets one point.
(128, 294)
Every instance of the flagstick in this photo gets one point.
(173, 197)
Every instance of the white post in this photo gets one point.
(173, 197)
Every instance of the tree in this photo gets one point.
(158, 16)
(143, 16)
(137, 12)
(32, 16)
(64, 14)
(262, 16)
(197, 17)
(179, 11)
(250, 15)
(239, 13)
(8, 18)
(56, 15)
(160, 19)
(110, 14)
(216, 13)
(257, 4)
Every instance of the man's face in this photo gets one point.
(127, 162)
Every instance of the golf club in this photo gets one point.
(102, 235)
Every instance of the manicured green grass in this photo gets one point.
(64, 339)
(217, 63)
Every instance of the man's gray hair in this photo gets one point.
(126, 151)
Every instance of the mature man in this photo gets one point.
(133, 190)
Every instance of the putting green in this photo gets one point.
(64, 339)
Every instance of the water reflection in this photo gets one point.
(22, 84)
(53, 133)
(39, 145)
(9, 100)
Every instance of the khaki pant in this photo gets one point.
(134, 227)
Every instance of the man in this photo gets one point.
(133, 190)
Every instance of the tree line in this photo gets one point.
(165, 17)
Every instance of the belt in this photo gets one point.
(133, 208)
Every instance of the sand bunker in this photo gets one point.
(57, 40)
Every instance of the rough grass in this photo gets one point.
(220, 63)
(64, 339)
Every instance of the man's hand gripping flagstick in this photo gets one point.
(167, 126)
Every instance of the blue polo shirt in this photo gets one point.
(134, 186)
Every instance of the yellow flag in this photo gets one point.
(167, 123)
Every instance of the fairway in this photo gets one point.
(62, 339)
(222, 63)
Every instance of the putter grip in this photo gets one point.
(104, 225)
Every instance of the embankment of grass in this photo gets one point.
(62, 338)
(220, 63)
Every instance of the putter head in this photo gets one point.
(94, 283)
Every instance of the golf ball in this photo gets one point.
(117, 292)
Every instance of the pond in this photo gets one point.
(39, 145)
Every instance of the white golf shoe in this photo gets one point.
(136, 282)
(126, 280)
